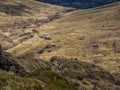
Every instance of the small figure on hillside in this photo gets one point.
(47, 37)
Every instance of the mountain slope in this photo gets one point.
(19, 78)
(89, 38)
(85, 75)
(63, 74)
(91, 35)
(18, 18)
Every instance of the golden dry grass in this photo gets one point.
(16, 14)
(77, 32)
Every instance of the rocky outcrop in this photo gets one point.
(8, 63)
(85, 76)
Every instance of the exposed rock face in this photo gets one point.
(83, 74)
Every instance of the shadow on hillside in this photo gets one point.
(82, 4)
(14, 10)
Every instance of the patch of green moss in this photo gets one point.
(43, 79)
(53, 80)
(9, 81)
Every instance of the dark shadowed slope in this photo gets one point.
(84, 4)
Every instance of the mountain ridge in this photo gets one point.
(82, 4)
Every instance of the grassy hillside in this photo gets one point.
(19, 17)
(61, 74)
(10, 81)
(90, 35)
(85, 75)
(15, 76)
